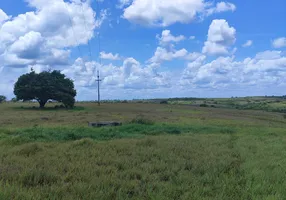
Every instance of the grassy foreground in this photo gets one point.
(187, 153)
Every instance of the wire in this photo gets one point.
(70, 19)
(99, 42)
(85, 27)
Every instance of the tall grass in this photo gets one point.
(177, 152)
(136, 129)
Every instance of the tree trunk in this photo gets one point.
(42, 103)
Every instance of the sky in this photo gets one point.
(148, 48)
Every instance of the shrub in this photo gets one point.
(164, 102)
(142, 120)
(227, 130)
(14, 99)
(204, 105)
(2, 98)
(174, 130)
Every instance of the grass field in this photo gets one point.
(271, 103)
(162, 151)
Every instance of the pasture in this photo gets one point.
(162, 151)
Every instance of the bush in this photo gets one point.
(227, 130)
(14, 99)
(2, 98)
(164, 102)
(204, 105)
(142, 120)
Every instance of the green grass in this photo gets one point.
(160, 152)
(271, 104)
(41, 134)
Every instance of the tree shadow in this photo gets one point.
(55, 108)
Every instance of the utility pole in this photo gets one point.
(98, 92)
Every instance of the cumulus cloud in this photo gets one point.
(130, 75)
(28, 46)
(109, 56)
(162, 54)
(265, 68)
(248, 43)
(220, 38)
(44, 36)
(167, 12)
(279, 42)
(221, 7)
(194, 56)
(3, 16)
(168, 38)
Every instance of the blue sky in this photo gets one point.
(149, 48)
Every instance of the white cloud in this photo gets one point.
(130, 75)
(221, 7)
(28, 46)
(102, 17)
(264, 69)
(194, 56)
(159, 13)
(248, 43)
(123, 3)
(3, 16)
(109, 56)
(268, 55)
(220, 37)
(162, 54)
(279, 42)
(192, 37)
(168, 38)
(44, 36)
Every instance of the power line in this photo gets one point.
(85, 27)
(70, 19)
(99, 50)
(99, 42)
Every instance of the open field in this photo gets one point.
(169, 152)
(266, 103)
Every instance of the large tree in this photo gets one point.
(45, 86)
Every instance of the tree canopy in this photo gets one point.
(45, 86)
(2, 98)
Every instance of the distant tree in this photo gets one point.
(2, 98)
(45, 86)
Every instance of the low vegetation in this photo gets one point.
(162, 151)
(271, 103)
(2, 98)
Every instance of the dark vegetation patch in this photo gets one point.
(132, 130)
(47, 108)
